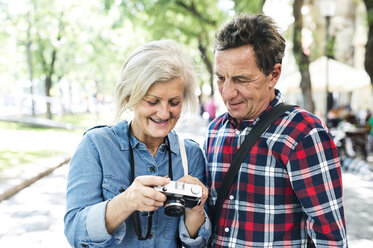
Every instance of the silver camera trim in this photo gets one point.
(182, 189)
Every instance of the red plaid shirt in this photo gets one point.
(288, 191)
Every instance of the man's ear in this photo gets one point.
(275, 74)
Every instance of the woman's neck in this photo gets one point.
(151, 144)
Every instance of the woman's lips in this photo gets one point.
(159, 122)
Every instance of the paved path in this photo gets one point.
(358, 202)
(33, 218)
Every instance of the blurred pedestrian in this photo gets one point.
(288, 190)
(210, 108)
(111, 201)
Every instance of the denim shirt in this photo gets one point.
(100, 170)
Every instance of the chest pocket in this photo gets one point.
(112, 186)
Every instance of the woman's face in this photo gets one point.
(158, 112)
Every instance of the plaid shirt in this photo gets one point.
(288, 191)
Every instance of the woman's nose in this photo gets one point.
(164, 112)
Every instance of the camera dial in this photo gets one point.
(195, 190)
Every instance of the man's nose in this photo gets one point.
(228, 90)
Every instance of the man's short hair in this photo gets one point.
(259, 31)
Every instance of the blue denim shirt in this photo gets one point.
(100, 168)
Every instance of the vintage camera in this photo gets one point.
(180, 196)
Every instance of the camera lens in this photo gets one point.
(174, 206)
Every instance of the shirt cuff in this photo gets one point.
(96, 226)
(204, 233)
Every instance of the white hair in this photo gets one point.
(156, 61)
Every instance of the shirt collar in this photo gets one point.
(121, 131)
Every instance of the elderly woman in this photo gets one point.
(111, 198)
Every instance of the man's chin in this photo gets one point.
(235, 114)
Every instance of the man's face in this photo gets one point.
(245, 90)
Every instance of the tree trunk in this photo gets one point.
(48, 86)
(369, 46)
(50, 71)
(203, 50)
(29, 65)
(301, 58)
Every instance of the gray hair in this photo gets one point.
(156, 61)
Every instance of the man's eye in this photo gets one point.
(242, 80)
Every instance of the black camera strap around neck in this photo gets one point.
(136, 215)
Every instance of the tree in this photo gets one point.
(192, 22)
(62, 41)
(301, 58)
(369, 46)
(29, 63)
(48, 55)
(44, 31)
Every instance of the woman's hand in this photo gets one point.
(195, 217)
(193, 180)
(139, 196)
(142, 196)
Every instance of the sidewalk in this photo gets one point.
(358, 206)
(34, 217)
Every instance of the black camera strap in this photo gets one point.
(136, 215)
(250, 139)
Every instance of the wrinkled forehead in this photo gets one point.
(235, 59)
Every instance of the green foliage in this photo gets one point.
(10, 158)
(88, 51)
(89, 40)
(192, 23)
(252, 7)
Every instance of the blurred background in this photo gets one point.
(60, 61)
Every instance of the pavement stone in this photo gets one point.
(358, 205)
(34, 216)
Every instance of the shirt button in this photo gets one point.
(231, 197)
(152, 169)
(226, 229)
(237, 132)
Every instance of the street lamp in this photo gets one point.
(327, 9)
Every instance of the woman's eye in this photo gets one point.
(152, 102)
(173, 104)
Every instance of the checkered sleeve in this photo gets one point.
(315, 175)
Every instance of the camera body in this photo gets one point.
(180, 196)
